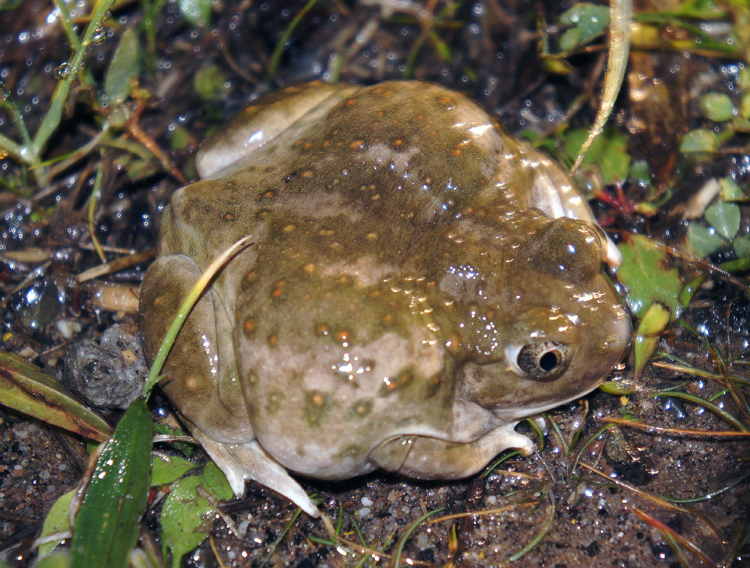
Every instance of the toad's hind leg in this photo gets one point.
(200, 377)
(248, 461)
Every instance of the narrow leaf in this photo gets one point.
(617, 60)
(23, 387)
(57, 521)
(125, 66)
(106, 529)
(647, 337)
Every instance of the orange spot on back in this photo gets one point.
(249, 326)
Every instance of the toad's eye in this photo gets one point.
(544, 361)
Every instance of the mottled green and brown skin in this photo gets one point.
(408, 297)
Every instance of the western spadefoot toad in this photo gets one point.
(418, 282)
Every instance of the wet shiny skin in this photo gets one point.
(408, 296)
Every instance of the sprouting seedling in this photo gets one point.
(29, 150)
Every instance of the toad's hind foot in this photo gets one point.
(248, 461)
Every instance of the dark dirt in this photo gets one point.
(36, 468)
(593, 520)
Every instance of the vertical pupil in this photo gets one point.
(548, 361)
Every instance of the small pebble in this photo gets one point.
(68, 328)
(242, 528)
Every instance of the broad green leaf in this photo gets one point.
(141, 169)
(588, 21)
(106, 528)
(570, 39)
(725, 218)
(167, 470)
(639, 170)
(216, 482)
(210, 83)
(741, 246)
(180, 138)
(609, 153)
(644, 271)
(197, 12)
(646, 338)
(703, 240)
(730, 191)
(717, 107)
(186, 517)
(700, 142)
(23, 387)
(57, 520)
(124, 67)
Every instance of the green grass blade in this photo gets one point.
(7, 145)
(54, 114)
(185, 307)
(617, 62)
(67, 24)
(279, 49)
